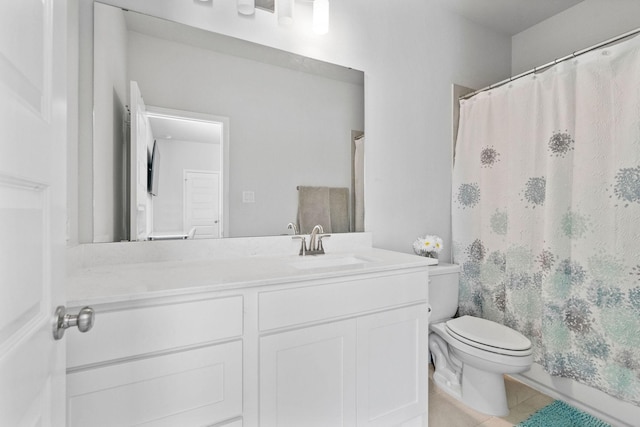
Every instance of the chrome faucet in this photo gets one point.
(315, 242)
(313, 245)
(292, 226)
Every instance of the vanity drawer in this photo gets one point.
(289, 307)
(129, 332)
(188, 388)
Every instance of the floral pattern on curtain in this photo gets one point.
(546, 215)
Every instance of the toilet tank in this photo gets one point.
(443, 291)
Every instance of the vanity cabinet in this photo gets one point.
(319, 348)
(363, 370)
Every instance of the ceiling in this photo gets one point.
(183, 130)
(508, 16)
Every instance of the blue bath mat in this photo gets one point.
(559, 414)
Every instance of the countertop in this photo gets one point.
(129, 282)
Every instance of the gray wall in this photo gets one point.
(584, 25)
(110, 91)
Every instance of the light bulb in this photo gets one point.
(246, 7)
(285, 12)
(321, 16)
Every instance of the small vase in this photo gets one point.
(431, 254)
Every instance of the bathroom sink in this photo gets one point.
(328, 261)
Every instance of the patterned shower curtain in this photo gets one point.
(546, 215)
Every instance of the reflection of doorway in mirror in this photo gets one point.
(192, 183)
(141, 203)
(201, 204)
(357, 181)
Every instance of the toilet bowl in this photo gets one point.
(471, 354)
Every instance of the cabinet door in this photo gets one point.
(307, 376)
(188, 388)
(392, 367)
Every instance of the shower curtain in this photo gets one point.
(546, 215)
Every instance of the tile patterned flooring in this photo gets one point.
(445, 411)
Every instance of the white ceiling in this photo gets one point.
(508, 16)
(182, 130)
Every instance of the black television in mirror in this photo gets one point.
(153, 172)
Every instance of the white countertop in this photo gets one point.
(127, 282)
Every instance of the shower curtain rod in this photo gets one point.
(554, 62)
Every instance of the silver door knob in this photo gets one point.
(63, 320)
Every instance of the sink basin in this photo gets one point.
(327, 261)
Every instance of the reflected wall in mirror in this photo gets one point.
(289, 123)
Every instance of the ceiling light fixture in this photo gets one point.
(246, 7)
(321, 16)
(320, 25)
(285, 12)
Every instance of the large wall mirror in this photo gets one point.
(222, 128)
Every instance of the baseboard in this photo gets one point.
(599, 404)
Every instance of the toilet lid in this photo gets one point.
(489, 335)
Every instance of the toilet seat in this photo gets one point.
(490, 336)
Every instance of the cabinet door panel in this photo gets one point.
(290, 307)
(195, 387)
(137, 331)
(392, 366)
(307, 376)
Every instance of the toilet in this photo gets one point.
(471, 354)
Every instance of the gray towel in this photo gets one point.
(313, 209)
(339, 209)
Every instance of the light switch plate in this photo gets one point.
(248, 197)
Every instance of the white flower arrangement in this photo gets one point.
(429, 246)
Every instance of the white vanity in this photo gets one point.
(336, 339)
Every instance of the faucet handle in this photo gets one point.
(320, 248)
(303, 244)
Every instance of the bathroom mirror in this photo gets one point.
(287, 121)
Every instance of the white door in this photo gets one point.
(33, 105)
(141, 142)
(202, 204)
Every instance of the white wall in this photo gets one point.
(287, 128)
(110, 94)
(175, 157)
(584, 25)
(411, 54)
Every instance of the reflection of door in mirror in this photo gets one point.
(190, 199)
(141, 142)
(201, 204)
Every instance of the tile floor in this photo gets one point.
(445, 411)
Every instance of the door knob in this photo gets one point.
(63, 320)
